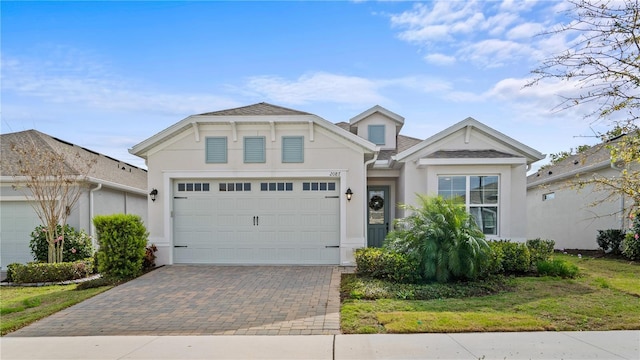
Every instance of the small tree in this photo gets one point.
(602, 60)
(443, 236)
(55, 182)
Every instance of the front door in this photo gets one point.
(377, 215)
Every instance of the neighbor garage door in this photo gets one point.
(17, 221)
(240, 221)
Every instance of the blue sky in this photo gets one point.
(108, 75)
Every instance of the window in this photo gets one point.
(292, 149)
(193, 186)
(279, 186)
(376, 134)
(478, 193)
(318, 186)
(548, 196)
(254, 149)
(216, 150)
(234, 186)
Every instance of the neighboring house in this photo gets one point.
(263, 184)
(569, 215)
(113, 187)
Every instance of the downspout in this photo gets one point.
(91, 227)
(366, 165)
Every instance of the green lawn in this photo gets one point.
(605, 297)
(20, 306)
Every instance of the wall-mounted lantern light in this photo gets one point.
(153, 194)
(349, 193)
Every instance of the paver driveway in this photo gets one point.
(205, 300)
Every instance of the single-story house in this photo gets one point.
(569, 215)
(263, 184)
(112, 187)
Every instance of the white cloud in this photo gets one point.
(495, 53)
(525, 31)
(319, 86)
(440, 59)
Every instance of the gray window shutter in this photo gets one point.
(292, 149)
(216, 150)
(254, 149)
(376, 134)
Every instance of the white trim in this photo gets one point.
(531, 154)
(196, 131)
(234, 131)
(79, 179)
(471, 161)
(20, 198)
(169, 176)
(311, 138)
(365, 114)
(467, 134)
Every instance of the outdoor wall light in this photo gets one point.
(349, 193)
(153, 194)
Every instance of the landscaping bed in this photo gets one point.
(606, 296)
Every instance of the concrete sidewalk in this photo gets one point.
(532, 345)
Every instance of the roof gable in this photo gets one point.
(399, 120)
(252, 114)
(468, 125)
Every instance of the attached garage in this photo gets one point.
(256, 221)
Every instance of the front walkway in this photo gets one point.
(208, 300)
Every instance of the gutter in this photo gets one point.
(569, 174)
(91, 202)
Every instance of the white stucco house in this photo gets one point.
(569, 215)
(263, 184)
(112, 187)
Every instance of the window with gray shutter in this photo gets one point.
(254, 149)
(376, 134)
(216, 150)
(292, 149)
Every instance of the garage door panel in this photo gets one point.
(282, 224)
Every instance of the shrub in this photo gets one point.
(493, 262)
(610, 240)
(540, 250)
(515, 256)
(50, 272)
(99, 282)
(387, 265)
(122, 239)
(77, 244)
(557, 267)
(149, 261)
(631, 244)
(443, 237)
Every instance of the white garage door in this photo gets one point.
(17, 221)
(256, 221)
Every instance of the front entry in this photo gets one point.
(377, 215)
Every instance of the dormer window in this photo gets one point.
(376, 134)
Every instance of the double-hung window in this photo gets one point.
(479, 194)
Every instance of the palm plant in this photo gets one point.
(443, 236)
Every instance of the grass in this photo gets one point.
(605, 297)
(20, 306)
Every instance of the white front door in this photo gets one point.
(271, 221)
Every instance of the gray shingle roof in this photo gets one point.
(256, 109)
(469, 154)
(105, 169)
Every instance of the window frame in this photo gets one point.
(299, 157)
(469, 205)
(207, 159)
(384, 134)
(264, 149)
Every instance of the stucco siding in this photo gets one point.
(569, 218)
(379, 119)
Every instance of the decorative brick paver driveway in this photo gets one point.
(206, 300)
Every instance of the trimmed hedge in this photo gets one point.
(387, 264)
(77, 244)
(509, 257)
(122, 239)
(49, 272)
(540, 250)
